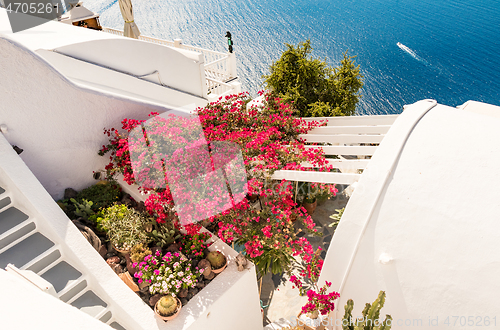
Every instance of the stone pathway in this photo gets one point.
(277, 293)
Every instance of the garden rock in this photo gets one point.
(207, 272)
(117, 268)
(200, 285)
(184, 301)
(143, 285)
(183, 293)
(173, 248)
(70, 193)
(154, 299)
(103, 251)
(113, 260)
(241, 261)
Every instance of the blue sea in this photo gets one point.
(448, 50)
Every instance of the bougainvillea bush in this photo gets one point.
(267, 139)
(318, 300)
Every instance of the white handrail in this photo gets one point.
(218, 66)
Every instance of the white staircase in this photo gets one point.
(27, 242)
(23, 245)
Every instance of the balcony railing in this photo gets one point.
(220, 68)
(352, 139)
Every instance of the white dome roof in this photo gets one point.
(423, 222)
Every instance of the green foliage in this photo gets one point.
(371, 316)
(124, 226)
(167, 305)
(163, 234)
(83, 209)
(273, 260)
(309, 192)
(102, 194)
(315, 88)
(138, 252)
(216, 259)
(336, 217)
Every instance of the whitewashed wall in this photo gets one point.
(59, 125)
(422, 224)
(177, 68)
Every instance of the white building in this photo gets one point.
(60, 85)
(421, 224)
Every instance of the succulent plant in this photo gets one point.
(83, 209)
(217, 259)
(124, 226)
(167, 305)
(138, 252)
(371, 316)
(162, 235)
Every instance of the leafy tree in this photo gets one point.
(315, 88)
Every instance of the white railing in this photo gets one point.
(219, 67)
(218, 88)
(352, 139)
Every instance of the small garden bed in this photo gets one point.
(213, 170)
(153, 259)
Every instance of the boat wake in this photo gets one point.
(412, 53)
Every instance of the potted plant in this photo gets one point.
(194, 245)
(167, 274)
(310, 205)
(217, 260)
(309, 193)
(137, 254)
(124, 227)
(168, 307)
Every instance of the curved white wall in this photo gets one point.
(59, 125)
(436, 222)
(176, 68)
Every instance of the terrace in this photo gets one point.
(403, 230)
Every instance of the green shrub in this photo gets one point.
(124, 226)
(97, 197)
(315, 88)
(102, 194)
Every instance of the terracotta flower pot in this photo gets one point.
(217, 271)
(170, 317)
(120, 251)
(310, 207)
